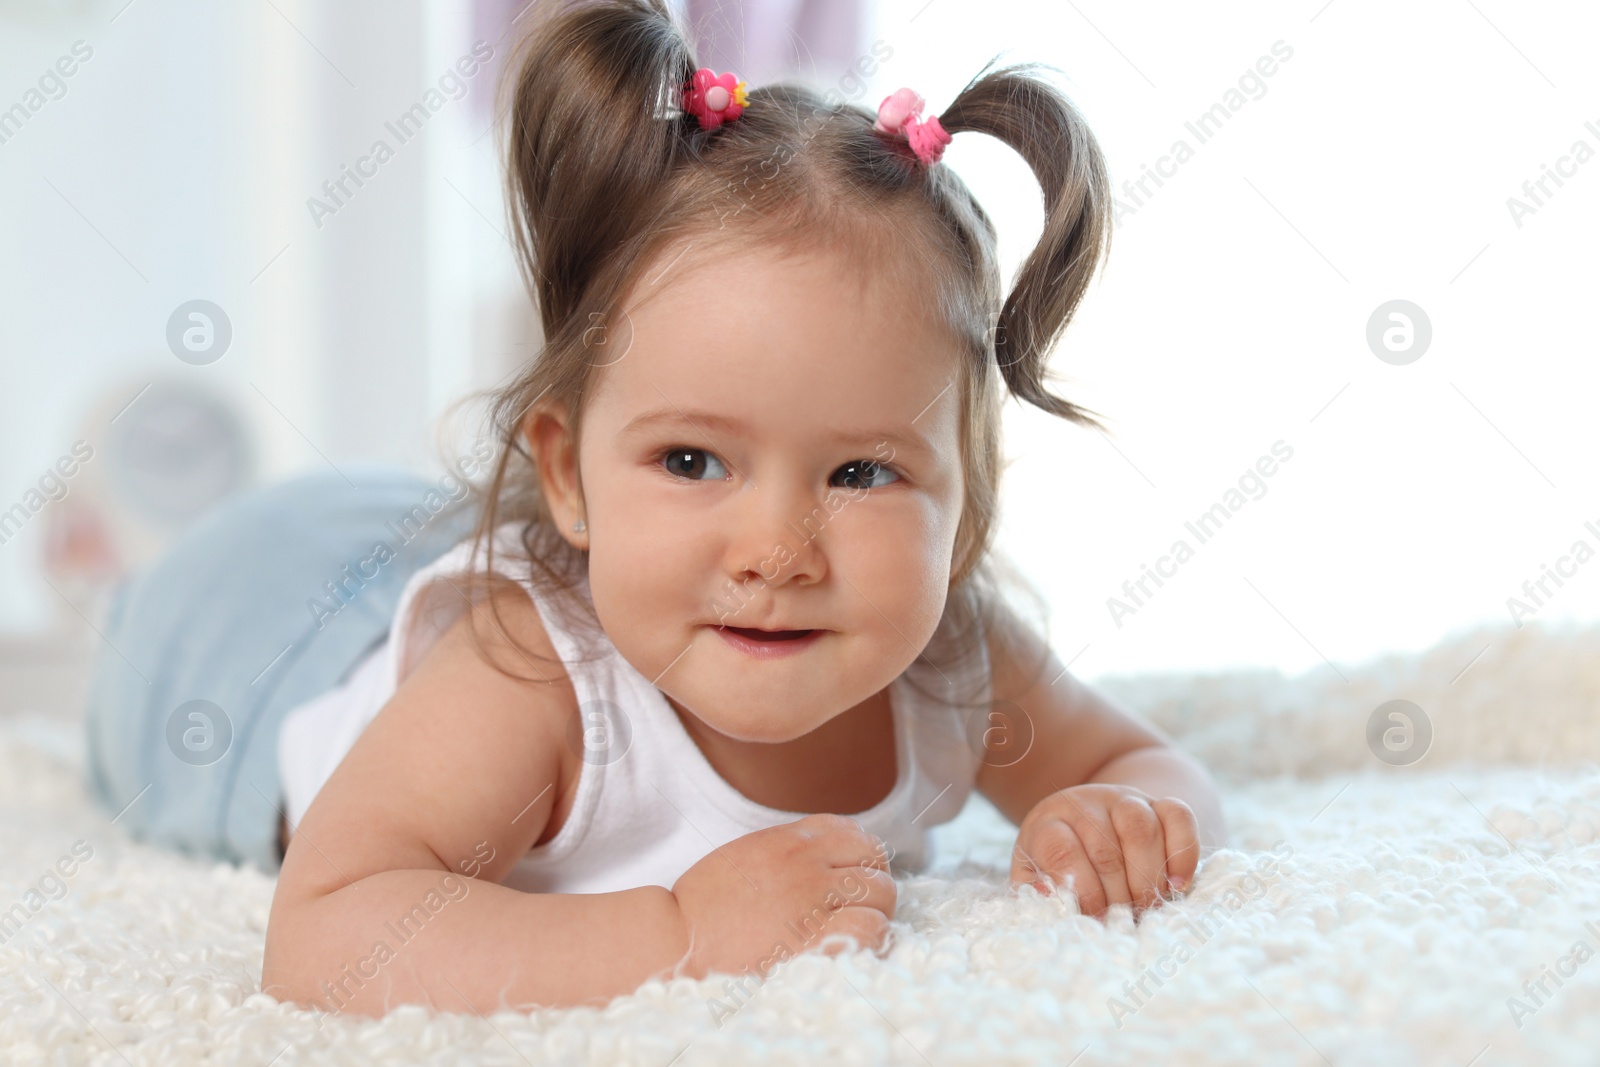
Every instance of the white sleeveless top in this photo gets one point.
(645, 816)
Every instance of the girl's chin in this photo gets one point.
(736, 724)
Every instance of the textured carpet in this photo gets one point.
(1446, 911)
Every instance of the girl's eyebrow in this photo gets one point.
(907, 438)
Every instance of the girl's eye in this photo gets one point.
(865, 474)
(694, 464)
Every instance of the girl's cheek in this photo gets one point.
(898, 553)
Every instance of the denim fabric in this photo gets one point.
(253, 610)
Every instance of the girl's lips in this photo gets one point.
(769, 644)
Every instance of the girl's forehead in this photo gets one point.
(786, 339)
(720, 280)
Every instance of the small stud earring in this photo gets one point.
(579, 526)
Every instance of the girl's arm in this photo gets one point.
(388, 890)
(1096, 793)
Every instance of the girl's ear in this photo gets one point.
(555, 455)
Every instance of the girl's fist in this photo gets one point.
(784, 890)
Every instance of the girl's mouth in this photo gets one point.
(769, 635)
(768, 644)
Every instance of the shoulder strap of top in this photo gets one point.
(435, 597)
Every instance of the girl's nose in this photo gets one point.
(775, 534)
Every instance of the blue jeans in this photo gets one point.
(259, 606)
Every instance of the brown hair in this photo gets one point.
(604, 171)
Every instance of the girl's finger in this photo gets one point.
(1049, 849)
(1024, 869)
(1099, 837)
(1143, 850)
(1183, 844)
(868, 926)
(865, 887)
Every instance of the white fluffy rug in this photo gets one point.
(1397, 922)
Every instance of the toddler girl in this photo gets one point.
(728, 637)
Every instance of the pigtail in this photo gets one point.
(596, 128)
(1048, 131)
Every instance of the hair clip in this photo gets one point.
(901, 112)
(714, 98)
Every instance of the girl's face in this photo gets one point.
(727, 465)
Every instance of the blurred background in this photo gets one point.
(1357, 239)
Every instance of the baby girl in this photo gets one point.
(729, 636)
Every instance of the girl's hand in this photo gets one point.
(778, 892)
(1119, 844)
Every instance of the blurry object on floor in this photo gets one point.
(177, 450)
(150, 458)
(168, 455)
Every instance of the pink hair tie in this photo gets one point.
(714, 98)
(901, 112)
